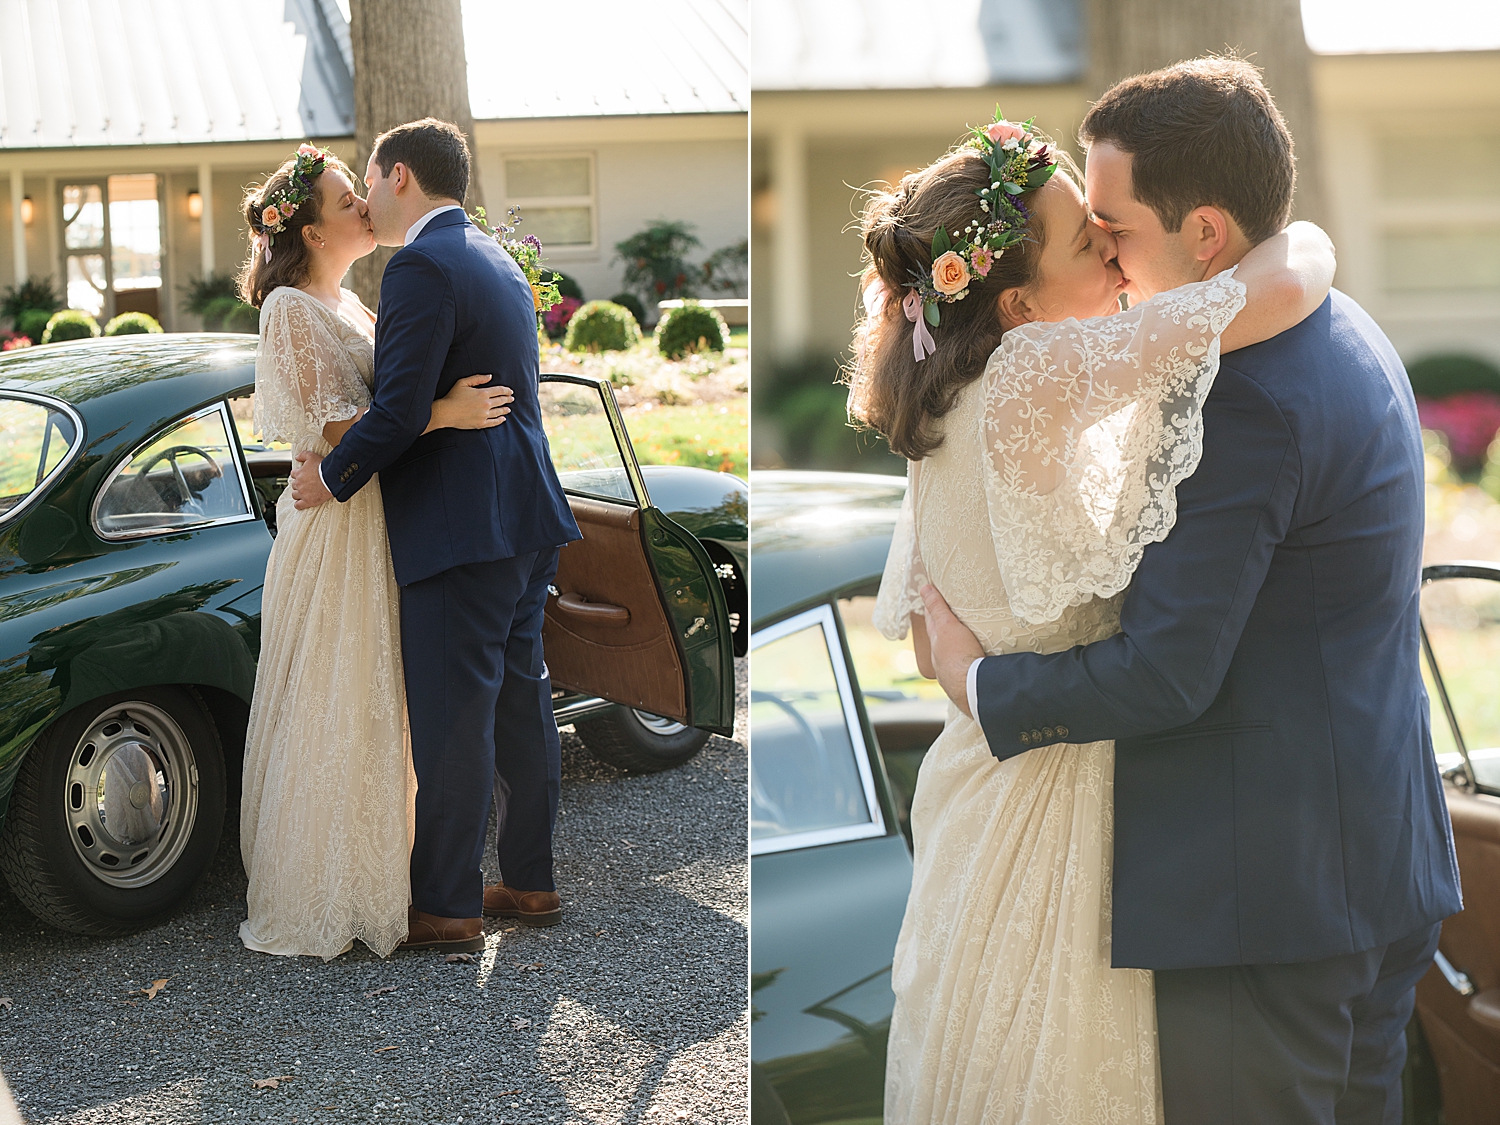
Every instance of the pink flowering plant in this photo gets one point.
(1019, 163)
(555, 320)
(1469, 420)
(527, 253)
(12, 343)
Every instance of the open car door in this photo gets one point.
(637, 615)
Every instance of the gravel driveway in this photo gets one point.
(633, 1010)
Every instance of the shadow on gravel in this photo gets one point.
(635, 1006)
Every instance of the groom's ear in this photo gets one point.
(1206, 230)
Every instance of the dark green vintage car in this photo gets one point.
(840, 722)
(136, 517)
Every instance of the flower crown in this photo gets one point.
(282, 204)
(1019, 162)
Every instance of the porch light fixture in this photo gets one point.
(195, 205)
(28, 210)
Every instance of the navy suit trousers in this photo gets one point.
(480, 705)
(1313, 1043)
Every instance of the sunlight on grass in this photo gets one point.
(713, 435)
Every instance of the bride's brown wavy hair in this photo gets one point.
(291, 261)
(889, 391)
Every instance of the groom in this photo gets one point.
(475, 519)
(1282, 854)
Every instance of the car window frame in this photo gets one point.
(45, 486)
(237, 453)
(826, 615)
(606, 392)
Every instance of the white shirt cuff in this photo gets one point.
(330, 492)
(973, 689)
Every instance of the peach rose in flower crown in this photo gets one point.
(950, 274)
(307, 150)
(1002, 131)
(270, 217)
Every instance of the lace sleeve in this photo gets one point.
(1091, 426)
(904, 573)
(304, 376)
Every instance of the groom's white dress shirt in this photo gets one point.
(411, 234)
(973, 693)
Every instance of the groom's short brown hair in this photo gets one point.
(435, 152)
(1204, 132)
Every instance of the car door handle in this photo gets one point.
(593, 613)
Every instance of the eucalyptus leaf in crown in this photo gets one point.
(526, 252)
(1019, 162)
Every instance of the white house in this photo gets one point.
(130, 129)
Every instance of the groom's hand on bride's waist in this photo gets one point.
(308, 489)
(954, 648)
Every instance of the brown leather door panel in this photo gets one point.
(1460, 1029)
(607, 633)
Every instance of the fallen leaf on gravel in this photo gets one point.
(150, 991)
(506, 1093)
(271, 1083)
(459, 958)
(392, 1047)
(5, 1003)
(518, 1024)
(535, 967)
(374, 992)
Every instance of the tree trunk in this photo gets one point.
(1132, 36)
(406, 68)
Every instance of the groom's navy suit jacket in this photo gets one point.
(454, 304)
(1276, 797)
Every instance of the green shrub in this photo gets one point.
(242, 318)
(633, 303)
(34, 295)
(131, 323)
(656, 264)
(1439, 376)
(70, 324)
(200, 291)
(32, 323)
(215, 312)
(566, 286)
(602, 326)
(691, 328)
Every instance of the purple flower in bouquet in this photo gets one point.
(555, 320)
(1469, 420)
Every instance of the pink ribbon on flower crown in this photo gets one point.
(922, 343)
(263, 240)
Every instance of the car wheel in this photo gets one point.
(639, 741)
(116, 812)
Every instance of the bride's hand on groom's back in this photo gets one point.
(471, 406)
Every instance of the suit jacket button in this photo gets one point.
(1025, 739)
(1036, 736)
(1047, 731)
(1062, 732)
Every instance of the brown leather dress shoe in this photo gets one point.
(530, 908)
(450, 935)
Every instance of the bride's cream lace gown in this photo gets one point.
(325, 816)
(1058, 466)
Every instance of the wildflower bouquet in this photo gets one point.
(526, 252)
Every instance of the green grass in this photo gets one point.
(712, 436)
(739, 337)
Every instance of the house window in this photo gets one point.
(555, 195)
(1442, 237)
(112, 245)
(1442, 261)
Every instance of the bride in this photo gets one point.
(993, 356)
(328, 783)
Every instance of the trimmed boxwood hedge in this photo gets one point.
(1439, 376)
(70, 324)
(602, 326)
(132, 323)
(691, 328)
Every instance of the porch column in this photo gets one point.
(18, 223)
(206, 224)
(793, 285)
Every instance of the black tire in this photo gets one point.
(161, 736)
(624, 738)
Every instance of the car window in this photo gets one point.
(35, 440)
(585, 452)
(810, 776)
(187, 476)
(1461, 617)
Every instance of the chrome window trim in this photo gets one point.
(36, 494)
(222, 409)
(823, 615)
(606, 392)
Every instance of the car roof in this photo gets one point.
(815, 535)
(84, 371)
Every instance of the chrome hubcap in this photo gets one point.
(658, 725)
(132, 795)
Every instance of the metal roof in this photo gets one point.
(607, 57)
(77, 73)
(913, 44)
